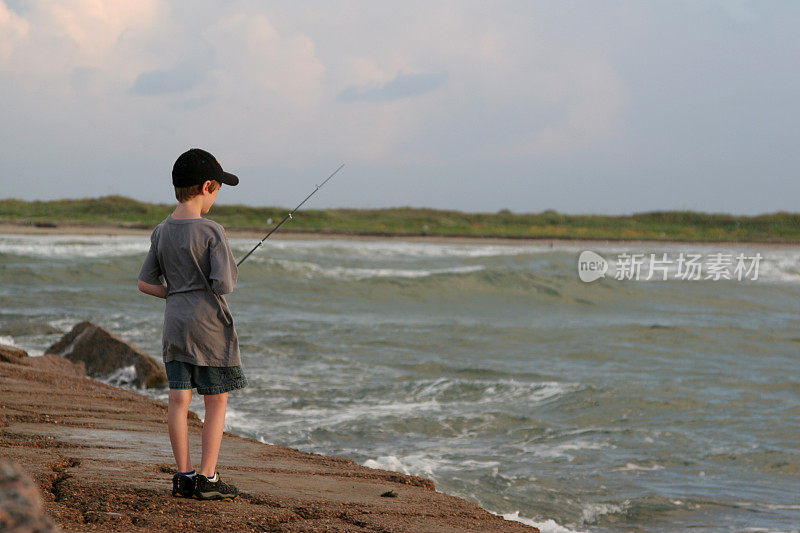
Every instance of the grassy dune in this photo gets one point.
(657, 225)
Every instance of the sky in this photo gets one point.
(608, 107)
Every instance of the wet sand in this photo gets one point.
(102, 459)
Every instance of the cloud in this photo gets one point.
(587, 111)
(736, 10)
(180, 79)
(13, 29)
(401, 86)
(83, 79)
(263, 66)
(43, 43)
(488, 90)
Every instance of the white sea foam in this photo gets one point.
(758, 529)
(780, 266)
(511, 389)
(239, 421)
(312, 270)
(593, 511)
(500, 391)
(764, 506)
(777, 264)
(413, 465)
(774, 265)
(546, 526)
(395, 249)
(71, 246)
(548, 451)
(63, 324)
(364, 411)
(122, 376)
(633, 466)
(431, 397)
(8, 340)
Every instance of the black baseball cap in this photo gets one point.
(196, 166)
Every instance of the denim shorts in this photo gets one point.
(207, 379)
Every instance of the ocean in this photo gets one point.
(645, 405)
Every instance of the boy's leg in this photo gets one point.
(177, 421)
(216, 405)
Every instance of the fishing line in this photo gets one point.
(287, 217)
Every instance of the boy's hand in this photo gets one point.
(159, 291)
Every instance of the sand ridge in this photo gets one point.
(101, 456)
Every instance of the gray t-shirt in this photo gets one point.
(193, 257)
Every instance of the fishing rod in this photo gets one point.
(287, 217)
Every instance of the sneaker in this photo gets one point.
(183, 486)
(217, 490)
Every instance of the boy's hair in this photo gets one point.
(183, 194)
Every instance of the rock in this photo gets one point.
(20, 504)
(12, 354)
(49, 362)
(105, 354)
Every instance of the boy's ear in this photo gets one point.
(206, 187)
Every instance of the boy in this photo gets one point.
(190, 265)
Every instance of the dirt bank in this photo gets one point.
(102, 459)
(7, 228)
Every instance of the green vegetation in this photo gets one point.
(659, 225)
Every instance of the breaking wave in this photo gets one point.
(310, 270)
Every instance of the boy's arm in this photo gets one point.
(223, 266)
(151, 276)
(159, 291)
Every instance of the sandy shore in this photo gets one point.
(102, 459)
(283, 234)
(289, 234)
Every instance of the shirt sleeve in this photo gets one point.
(151, 268)
(224, 271)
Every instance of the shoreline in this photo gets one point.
(80, 439)
(289, 234)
